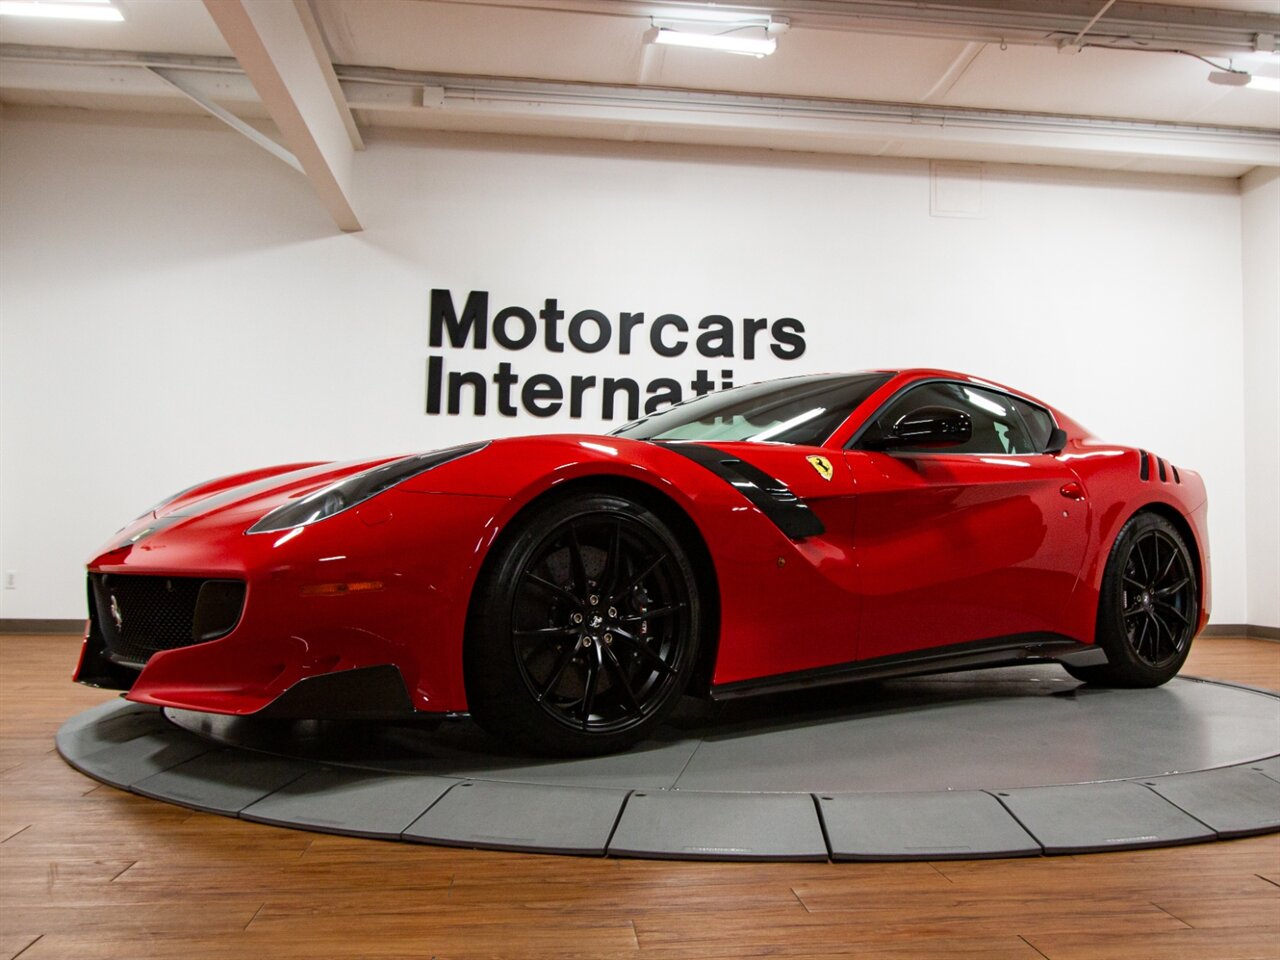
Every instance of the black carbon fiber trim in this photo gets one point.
(998, 651)
(364, 693)
(767, 493)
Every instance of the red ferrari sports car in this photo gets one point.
(567, 590)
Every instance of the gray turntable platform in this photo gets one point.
(997, 763)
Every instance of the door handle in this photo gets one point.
(1072, 490)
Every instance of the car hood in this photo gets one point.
(248, 496)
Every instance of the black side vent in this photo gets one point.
(770, 495)
(1163, 477)
(1176, 478)
(1144, 465)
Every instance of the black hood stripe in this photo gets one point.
(767, 493)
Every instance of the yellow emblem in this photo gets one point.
(822, 465)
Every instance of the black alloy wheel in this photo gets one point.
(584, 637)
(1158, 598)
(1148, 607)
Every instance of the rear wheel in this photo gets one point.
(585, 628)
(1148, 608)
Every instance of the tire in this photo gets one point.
(1148, 607)
(584, 628)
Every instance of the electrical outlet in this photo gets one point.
(11, 579)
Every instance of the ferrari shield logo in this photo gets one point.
(822, 465)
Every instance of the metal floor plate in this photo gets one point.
(520, 815)
(222, 781)
(1234, 802)
(719, 826)
(956, 825)
(1088, 817)
(959, 766)
(350, 801)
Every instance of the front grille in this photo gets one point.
(138, 616)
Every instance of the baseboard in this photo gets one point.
(1250, 631)
(41, 626)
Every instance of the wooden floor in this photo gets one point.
(87, 871)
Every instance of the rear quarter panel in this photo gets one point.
(1112, 478)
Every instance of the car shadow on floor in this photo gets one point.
(460, 748)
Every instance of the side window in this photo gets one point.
(997, 425)
(1038, 422)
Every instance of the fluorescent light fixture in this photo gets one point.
(1229, 78)
(705, 15)
(725, 42)
(752, 46)
(1239, 78)
(61, 9)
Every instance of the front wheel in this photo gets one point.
(1148, 608)
(584, 630)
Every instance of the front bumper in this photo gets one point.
(362, 614)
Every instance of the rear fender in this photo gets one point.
(1115, 476)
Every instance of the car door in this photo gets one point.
(966, 542)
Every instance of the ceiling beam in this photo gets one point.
(288, 66)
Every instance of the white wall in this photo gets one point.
(1260, 223)
(174, 304)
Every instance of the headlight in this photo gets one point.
(356, 489)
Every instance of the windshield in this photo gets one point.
(798, 410)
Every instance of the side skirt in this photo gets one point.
(996, 652)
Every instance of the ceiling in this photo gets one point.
(1001, 80)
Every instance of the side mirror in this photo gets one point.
(926, 428)
(1057, 441)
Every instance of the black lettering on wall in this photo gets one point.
(589, 331)
(604, 331)
(474, 322)
(503, 335)
(479, 388)
(551, 315)
(626, 323)
(660, 346)
(435, 374)
(577, 387)
(789, 333)
(504, 380)
(662, 392)
(716, 340)
(542, 395)
(610, 390)
(751, 327)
